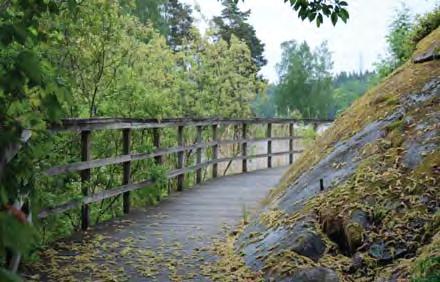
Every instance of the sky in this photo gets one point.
(354, 46)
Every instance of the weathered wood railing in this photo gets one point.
(85, 127)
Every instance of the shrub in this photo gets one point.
(425, 25)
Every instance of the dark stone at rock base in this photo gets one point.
(308, 244)
(383, 254)
(301, 238)
(313, 274)
(357, 262)
(430, 55)
(360, 217)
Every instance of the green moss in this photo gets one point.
(354, 234)
(398, 124)
(429, 165)
(427, 267)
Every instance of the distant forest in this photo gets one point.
(344, 88)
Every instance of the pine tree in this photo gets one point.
(234, 22)
(179, 21)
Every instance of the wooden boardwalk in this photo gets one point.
(166, 242)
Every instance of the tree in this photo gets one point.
(397, 38)
(219, 78)
(350, 86)
(304, 81)
(31, 93)
(179, 20)
(148, 11)
(234, 22)
(264, 105)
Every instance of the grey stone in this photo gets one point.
(424, 143)
(313, 274)
(301, 238)
(383, 254)
(433, 53)
(360, 217)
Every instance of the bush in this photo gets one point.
(425, 25)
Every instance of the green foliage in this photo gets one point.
(349, 87)
(428, 269)
(425, 25)
(404, 34)
(102, 58)
(8, 276)
(305, 82)
(316, 10)
(400, 29)
(15, 235)
(233, 22)
(264, 105)
(179, 21)
(148, 12)
(31, 93)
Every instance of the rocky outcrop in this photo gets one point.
(380, 164)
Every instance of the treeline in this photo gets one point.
(306, 86)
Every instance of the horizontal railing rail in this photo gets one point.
(86, 126)
(123, 123)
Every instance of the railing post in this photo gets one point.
(269, 145)
(85, 177)
(244, 148)
(158, 160)
(180, 155)
(126, 140)
(214, 151)
(315, 129)
(199, 154)
(291, 143)
(156, 143)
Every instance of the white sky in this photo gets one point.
(362, 39)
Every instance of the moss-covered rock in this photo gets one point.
(380, 163)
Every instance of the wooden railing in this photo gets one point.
(85, 127)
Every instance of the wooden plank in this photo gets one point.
(85, 177)
(94, 198)
(180, 156)
(214, 151)
(199, 154)
(73, 167)
(244, 148)
(269, 145)
(126, 140)
(121, 123)
(176, 172)
(135, 186)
